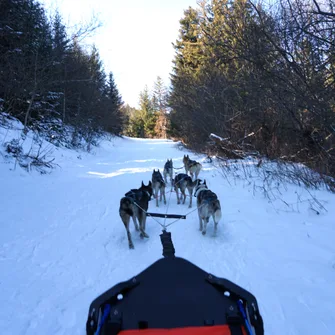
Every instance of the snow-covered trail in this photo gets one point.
(62, 242)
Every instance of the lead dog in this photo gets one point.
(168, 170)
(158, 185)
(183, 181)
(208, 205)
(135, 204)
(191, 166)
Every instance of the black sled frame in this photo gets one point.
(173, 293)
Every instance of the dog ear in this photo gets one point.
(142, 184)
(150, 183)
(205, 182)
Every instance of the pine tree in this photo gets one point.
(97, 73)
(148, 114)
(113, 93)
(60, 40)
(160, 103)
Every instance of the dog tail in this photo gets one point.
(217, 211)
(125, 206)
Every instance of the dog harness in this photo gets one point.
(199, 189)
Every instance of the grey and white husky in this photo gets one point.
(183, 181)
(168, 170)
(191, 166)
(135, 204)
(158, 184)
(208, 205)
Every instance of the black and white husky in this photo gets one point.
(208, 205)
(168, 170)
(135, 204)
(158, 185)
(183, 181)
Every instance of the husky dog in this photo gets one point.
(158, 184)
(192, 166)
(183, 181)
(168, 170)
(133, 204)
(208, 205)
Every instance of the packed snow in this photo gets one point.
(62, 242)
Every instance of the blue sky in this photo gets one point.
(135, 39)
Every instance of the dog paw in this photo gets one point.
(131, 246)
(203, 233)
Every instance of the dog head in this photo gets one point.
(156, 175)
(147, 189)
(168, 164)
(186, 159)
(199, 186)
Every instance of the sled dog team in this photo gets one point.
(135, 203)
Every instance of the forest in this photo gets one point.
(247, 78)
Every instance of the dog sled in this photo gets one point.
(174, 297)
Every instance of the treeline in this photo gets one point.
(261, 77)
(150, 120)
(48, 81)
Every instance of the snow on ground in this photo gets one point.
(62, 242)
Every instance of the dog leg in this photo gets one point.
(163, 190)
(216, 218)
(205, 225)
(184, 195)
(178, 201)
(190, 192)
(142, 219)
(215, 228)
(200, 221)
(135, 223)
(156, 195)
(126, 220)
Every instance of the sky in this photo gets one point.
(135, 40)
